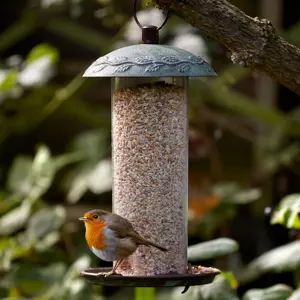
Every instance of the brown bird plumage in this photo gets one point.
(112, 237)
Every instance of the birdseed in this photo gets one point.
(150, 158)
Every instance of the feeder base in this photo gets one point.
(198, 276)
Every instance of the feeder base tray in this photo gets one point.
(196, 276)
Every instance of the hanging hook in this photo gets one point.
(140, 25)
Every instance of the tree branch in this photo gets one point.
(253, 42)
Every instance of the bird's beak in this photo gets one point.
(83, 219)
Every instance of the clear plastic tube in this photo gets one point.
(150, 161)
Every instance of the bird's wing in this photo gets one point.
(120, 226)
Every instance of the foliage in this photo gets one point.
(287, 212)
(40, 256)
(276, 292)
(30, 231)
(212, 249)
(231, 195)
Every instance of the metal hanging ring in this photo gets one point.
(140, 25)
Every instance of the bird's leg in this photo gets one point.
(114, 268)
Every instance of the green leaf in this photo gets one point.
(81, 263)
(10, 202)
(11, 249)
(63, 160)
(77, 182)
(231, 279)
(92, 144)
(245, 196)
(226, 189)
(100, 178)
(48, 241)
(287, 213)
(144, 293)
(86, 176)
(42, 173)
(276, 292)
(15, 219)
(281, 259)
(231, 192)
(32, 178)
(32, 281)
(66, 286)
(43, 50)
(212, 249)
(19, 176)
(220, 289)
(45, 221)
(9, 81)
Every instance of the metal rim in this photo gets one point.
(186, 280)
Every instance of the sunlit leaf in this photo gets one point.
(285, 258)
(42, 172)
(144, 294)
(78, 182)
(19, 176)
(63, 160)
(231, 279)
(231, 192)
(37, 73)
(212, 249)
(11, 201)
(100, 179)
(15, 219)
(11, 249)
(219, 289)
(32, 178)
(97, 179)
(32, 281)
(43, 50)
(48, 241)
(9, 81)
(54, 272)
(81, 263)
(287, 213)
(245, 196)
(45, 221)
(92, 144)
(66, 285)
(276, 292)
(295, 295)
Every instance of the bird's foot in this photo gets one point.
(100, 274)
(109, 273)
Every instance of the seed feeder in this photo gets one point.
(150, 157)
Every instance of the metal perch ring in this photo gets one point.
(140, 25)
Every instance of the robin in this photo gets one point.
(112, 237)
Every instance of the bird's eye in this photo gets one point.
(95, 216)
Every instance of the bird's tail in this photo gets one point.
(141, 241)
(149, 243)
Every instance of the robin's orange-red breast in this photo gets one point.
(112, 237)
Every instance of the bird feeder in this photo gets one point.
(150, 157)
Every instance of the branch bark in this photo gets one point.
(253, 42)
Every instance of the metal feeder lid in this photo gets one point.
(149, 60)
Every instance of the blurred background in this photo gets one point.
(55, 153)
